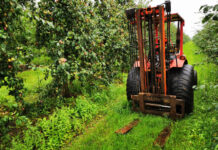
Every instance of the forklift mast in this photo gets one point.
(152, 52)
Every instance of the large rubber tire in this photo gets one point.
(180, 84)
(133, 83)
(195, 78)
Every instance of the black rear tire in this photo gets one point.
(180, 84)
(133, 83)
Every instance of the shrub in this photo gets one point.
(207, 38)
(42, 60)
(52, 132)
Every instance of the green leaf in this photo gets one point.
(207, 17)
(3, 36)
(59, 53)
(50, 24)
(202, 7)
(215, 8)
(206, 9)
(215, 17)
(3, 47)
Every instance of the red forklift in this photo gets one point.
(160, 80)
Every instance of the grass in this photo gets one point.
(196, 131)
(199, 130)
(33, 80)
(101, 133)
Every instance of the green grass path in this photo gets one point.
(196, 131)
(100, 134)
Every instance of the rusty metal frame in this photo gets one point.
(162, 50)
(141, 49)
(166, 105)
(128, 127)
(150, 100)
(181, 38)
(163, 137)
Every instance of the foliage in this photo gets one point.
(80, 38)
(207, 38)
(10, 17)
(44, 107)
(12, 122)
(210, 12)
(61, 125)
(42, 60)
(12, 38)
(85, 39)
